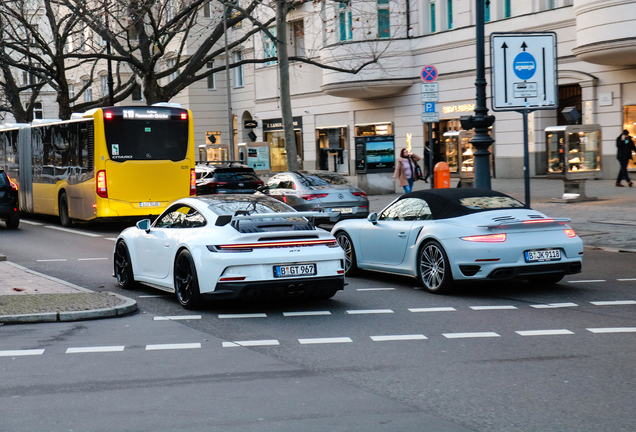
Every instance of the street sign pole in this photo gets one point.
(430, 95)
(526, 157)
(431, 153)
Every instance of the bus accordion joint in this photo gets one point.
(102, 189)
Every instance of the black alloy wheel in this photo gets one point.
(434, 268)
(186, 283)
(65, 219)
(351, 265)
(123, 266)
(13, 222)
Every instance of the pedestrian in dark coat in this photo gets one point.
(624, 148)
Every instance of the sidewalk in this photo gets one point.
(27, 296)
(607, 224)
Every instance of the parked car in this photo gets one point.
(225, 177)
(9, 201)
(444, 236)
(231, 246)
(329, 191)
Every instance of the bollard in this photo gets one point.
(442, 175)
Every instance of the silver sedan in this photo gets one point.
(307, 190)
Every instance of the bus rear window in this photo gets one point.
(142, 137)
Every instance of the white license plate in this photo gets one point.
(343, 210)
(150, 204)
(543, 255)
(281, 271)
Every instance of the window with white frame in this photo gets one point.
(239, 79)
(38, 111)
(270, 46)
(207, 9)
(71, 94)
(104, 84)
(88, 93)
(171, 64)
(211, 77)
(297, 29)
(170, 10)
(550, 4)
(384, 19)
(345, 21)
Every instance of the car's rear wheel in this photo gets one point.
(13, 222)
(123, 266)
(434, 268)
(545, 280)
(346, 244)
(186, 283)
(65, 219)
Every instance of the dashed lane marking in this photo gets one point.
(369, 311)
(179, 346)
(110, 238)
(155, 295)
(253, 315)
(25, 352)
(492, 307)
(325, 340)
(375, 289)
(587, 281)
(553, 305)
(177, 318)
(470, 335)
(87, 234)
(29, 222)
(398, 337)
(613, 330)
(95, 349)
(52, 260)
(613, 302)
(433, 309)
(251, 343)
(626, 280)
(91, 259)
(307, 313)
(544, 332)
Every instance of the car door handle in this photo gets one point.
(167, 245)
(402, 234)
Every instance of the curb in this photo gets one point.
(129, 306)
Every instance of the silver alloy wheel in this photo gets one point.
(345, 244)
(432, 267)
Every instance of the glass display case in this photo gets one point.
(574, 151)
(459, 152)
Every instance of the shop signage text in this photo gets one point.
(458, 108)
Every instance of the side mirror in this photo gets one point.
(263, 189)
(144, 224)
(373, 218)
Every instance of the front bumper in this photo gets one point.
(276, 289)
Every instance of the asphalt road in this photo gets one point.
(381, 356)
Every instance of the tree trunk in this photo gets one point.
(283, 73)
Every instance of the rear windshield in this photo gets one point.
(3, 182)
(333, 179)
(236, 176)
(253, 207)
(490, 202)
(146, 133)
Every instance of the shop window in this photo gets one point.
(449, 13)
(374, 129)
(569, 96)
(629, 123)
(345, 22)
(432, 17)
(270, 46)
(384, 19)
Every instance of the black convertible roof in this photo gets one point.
(444, 203)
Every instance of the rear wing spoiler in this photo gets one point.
(242, 215)
(527, 223)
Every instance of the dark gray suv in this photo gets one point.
(9, 207)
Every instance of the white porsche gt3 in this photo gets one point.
(231, 246)
(443, 236)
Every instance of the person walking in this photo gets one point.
(427, 162)
(405, 170)
(624, 148)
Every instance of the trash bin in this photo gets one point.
(441, 175)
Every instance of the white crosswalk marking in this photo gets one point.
(307, 313)
(544, 332)
(253, 315)
(172, 346)
(25, 352)
(325, 340)
(398, 337)
(614, 302)
(177, 318)
(492, 307)
(369, 311)
(613, 330)
(95, 349)
(433, 309)
(252, 343)
(553, 305)
(470, 335)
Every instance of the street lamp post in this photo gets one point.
(481, 121)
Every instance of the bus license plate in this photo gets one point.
(281, 271)
(543, 255)
(149, 204)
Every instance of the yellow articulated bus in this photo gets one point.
(108, 163)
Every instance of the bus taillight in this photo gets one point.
(184, 116)
(102, 190)
(193, 182)
(108, 115)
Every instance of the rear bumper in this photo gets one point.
(526, 271)
(276, 289)
(8, 210)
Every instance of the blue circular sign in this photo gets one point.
(524, 65)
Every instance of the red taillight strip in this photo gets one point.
(487, 260)
(534, 221)
(490, 238)
(278, 244)
(230, 279)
